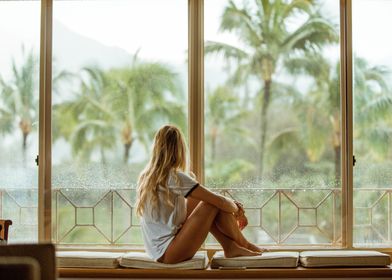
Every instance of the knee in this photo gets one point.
(223, 216)
(209, 208)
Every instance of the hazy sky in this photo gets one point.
(159, 27)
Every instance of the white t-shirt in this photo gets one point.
(158, 232)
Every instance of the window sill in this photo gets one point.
(298, 272)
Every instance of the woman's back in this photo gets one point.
(159, 226)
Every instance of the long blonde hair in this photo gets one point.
(168, 154)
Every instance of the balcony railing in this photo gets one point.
(299, 216)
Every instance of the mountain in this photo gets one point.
(72, 51)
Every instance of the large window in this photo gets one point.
(19, 95)
(372, 95)
(272, 111)
(117, 77)
(276, 114)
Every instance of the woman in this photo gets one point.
(177, 212)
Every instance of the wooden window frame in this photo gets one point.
(196, 112)
(346, 90)
(45, 125)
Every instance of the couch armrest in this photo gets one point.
(4, 225)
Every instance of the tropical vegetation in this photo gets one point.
(275, 123)
(268, 43)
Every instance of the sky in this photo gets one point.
(163, 35)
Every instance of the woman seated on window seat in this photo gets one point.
(177, 212)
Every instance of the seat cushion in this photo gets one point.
(88, 259)
(141, 260)
(343, 258)
(267, 259)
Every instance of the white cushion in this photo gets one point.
(141, 260)
(88, 259)
(267, 259)
(343, 258)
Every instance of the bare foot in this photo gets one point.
(254, 247)
(238, 251)
(250, 246)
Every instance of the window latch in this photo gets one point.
(37, 160)
(354, 160)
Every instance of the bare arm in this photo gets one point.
(224, 203)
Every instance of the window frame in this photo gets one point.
(196, 115)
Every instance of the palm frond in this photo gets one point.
(313, 34)
(228, 51)
(7, 120)
(296, 5)
(241, 22)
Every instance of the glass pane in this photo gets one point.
(272, 110)
(119, 73)
(372, 96)
(19, 94)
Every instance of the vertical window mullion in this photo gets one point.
(347, 122)
(45, 102)
(196, 86)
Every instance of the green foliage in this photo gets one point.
(267, 42)
(19, 97)
(224, 118)
(86, 122)
(300, 140)
(372, 110)
(120, 105)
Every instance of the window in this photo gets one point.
(19, 95)
(276, 114)
(112, 89)
(372, 97)
(272, 111)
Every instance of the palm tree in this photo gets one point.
(223, 117)
(20, 97)
(372, 109)
(87, 121)
(320, 107)
(146, 95)
(6, 117)
(268, 41)
(224, 125)
(120, 104)
(373, 101)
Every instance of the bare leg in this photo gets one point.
(230, 235)
(230, 247)
(192, 234)
(227, 224)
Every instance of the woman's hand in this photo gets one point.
(231, 207)
(242, 220)
(240, 207)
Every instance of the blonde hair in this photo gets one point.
(168, 154)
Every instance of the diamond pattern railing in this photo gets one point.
(276, 216)
(95, 216)
(373, 216)
(289, 216)
(20, 206)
